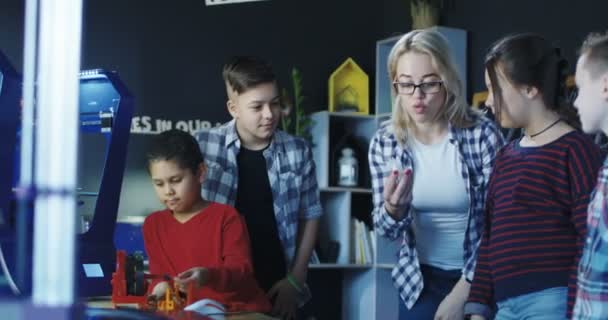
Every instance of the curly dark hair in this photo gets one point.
(176, 145)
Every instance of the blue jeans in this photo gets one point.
(548, 304)
(437, 284)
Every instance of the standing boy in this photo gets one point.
(269, 176)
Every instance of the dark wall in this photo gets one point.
(170, 53)
(564, 22)
(183, 45)
(174, 53)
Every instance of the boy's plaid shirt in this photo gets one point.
(477, 146)
(592, 288)
(291, 172)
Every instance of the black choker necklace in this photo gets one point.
(545, 129)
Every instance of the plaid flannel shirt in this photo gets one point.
(592, 288)
(477, 147)
(291, 172)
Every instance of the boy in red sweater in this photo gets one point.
(196, 241)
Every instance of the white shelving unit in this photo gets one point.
(367, 290)
(346, 189)
(352, 266)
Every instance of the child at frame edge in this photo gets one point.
(592, 104)
(195, 241)
(270, 177)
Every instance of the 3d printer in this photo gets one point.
(106, 108)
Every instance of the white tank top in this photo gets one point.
(440, 203)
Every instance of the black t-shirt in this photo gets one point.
(255, 202)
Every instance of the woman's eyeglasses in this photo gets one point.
(408, 88)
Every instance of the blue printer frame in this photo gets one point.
(108, 114)
(107, 110)
(15, 231)
(10, 97)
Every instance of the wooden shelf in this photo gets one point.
(386, 115)
(349, 114)
(340, 266)
(388, 266)
(346, 189)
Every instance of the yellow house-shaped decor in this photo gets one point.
(349, 89)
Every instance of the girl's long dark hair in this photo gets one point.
(528, 59)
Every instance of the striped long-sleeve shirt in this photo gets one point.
(536, 214)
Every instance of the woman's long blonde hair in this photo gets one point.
(428, 41)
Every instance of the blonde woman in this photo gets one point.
(430, 166)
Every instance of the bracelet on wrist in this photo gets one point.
(292, 281)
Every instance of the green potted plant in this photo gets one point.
(425, 13)
(293, 118)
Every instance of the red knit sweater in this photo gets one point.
(216, 239)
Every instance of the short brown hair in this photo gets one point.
(242, 73)
(595, 48)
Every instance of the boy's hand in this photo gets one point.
(151, 300)
(397, 192)
(286, 300)
(157, 293)
(160, 289)
(477, 317)
(197, 276)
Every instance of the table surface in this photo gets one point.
(106, 303)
